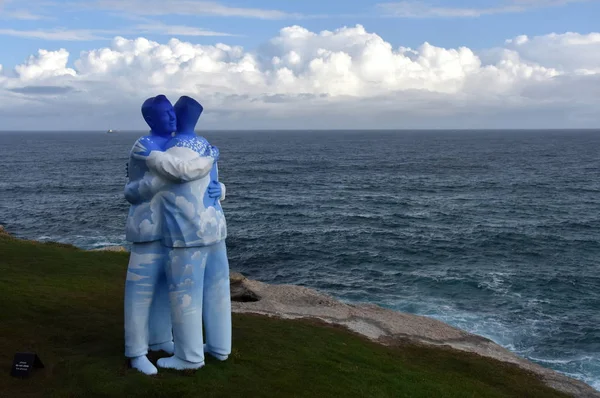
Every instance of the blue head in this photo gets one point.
(146, 106)
(160, 115)
(188, 111)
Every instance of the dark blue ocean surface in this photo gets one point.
(496, 232)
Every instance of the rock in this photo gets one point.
(110, 249)
(383, 326)
(239, 291)
(236, 277)
(3, 231)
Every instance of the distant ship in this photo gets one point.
(111, 131)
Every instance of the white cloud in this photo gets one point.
(186, 284)
(154, 182)
(176, 30)
(188, 269)
(58, 34)
(147, 228)
(46, 64)
(212, 225)
(135, 277)
(197, 255)
(419, 9)
(187, 7)
(186, 207)
(22, 15)
(146, 220)
(103, 34)
(137, 260)
(347, 78)
(186, 300)
(569, 52)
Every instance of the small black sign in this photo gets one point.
(24, 363)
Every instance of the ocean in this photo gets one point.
(495, 232)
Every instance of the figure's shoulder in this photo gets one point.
(202, 139)
(195, 143)
(211, 149)
(152, 141)
(148, 143)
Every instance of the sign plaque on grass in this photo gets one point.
(23, 364)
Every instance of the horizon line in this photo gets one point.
(321, 129)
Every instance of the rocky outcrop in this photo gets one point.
(110, 249)
(3, 232)
(239, 291)
(382, 325)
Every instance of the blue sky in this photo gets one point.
(502, 63)
(106, 20)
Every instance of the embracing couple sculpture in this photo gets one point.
(177, 288)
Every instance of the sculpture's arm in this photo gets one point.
(132, 193)
(216, 189)
(172, 167)
(222, 191)
(178, 170)
(142, 190)
(222, 186)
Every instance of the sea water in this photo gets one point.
(495, 232)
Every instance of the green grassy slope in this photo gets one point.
(66, 305)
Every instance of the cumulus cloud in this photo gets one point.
(186, 300)
(186, 207)
(146, 227)
(135, 277)
(153, 183)
(186, 284)
(197, 255)
(137, 260)
(188, 269)
(212, 225)
(572, 53)
(347, 78)
(45, 65)
(145, 219)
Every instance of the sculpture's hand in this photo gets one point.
(216, 190)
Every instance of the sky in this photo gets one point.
(266, 64)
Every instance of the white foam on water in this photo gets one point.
(507, 336)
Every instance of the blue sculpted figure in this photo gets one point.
(147, 309)
(197, 267)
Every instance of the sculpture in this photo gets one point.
(197, 268)
(147, 310)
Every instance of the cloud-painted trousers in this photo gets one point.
(147, 309)
(198, 279)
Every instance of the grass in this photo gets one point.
(66, 305)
